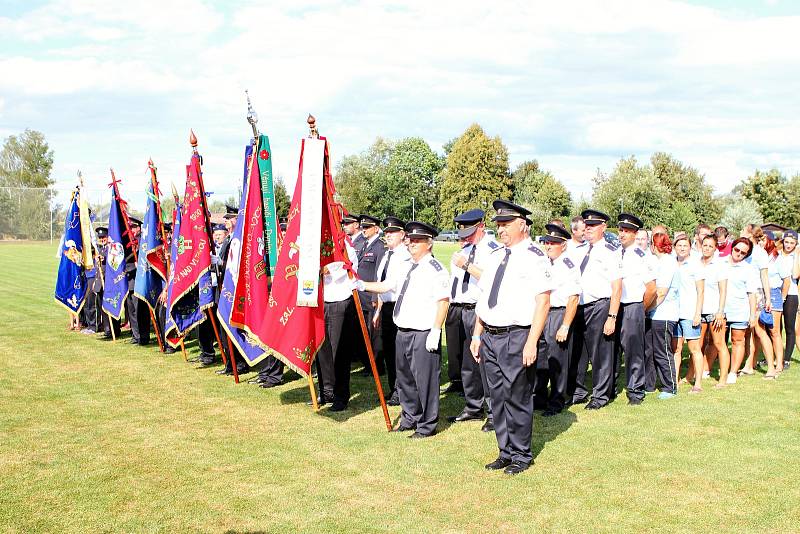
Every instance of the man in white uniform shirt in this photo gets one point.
(577, 245)
(638, 292)
(552, 363)
(512, 310)
(333, 363)
(393, 266)
(419, 312)
(601, 286)
(466, 268)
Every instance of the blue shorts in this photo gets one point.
(777, 299)
(685, 329)
(739, 325)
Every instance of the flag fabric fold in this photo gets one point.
(288, 331)
(151, 268)
(190, 291)
(70, 289)
(119, 243)
(243, 340)
(271, 236)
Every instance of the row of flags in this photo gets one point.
(270, 295)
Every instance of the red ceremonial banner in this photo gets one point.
(295, 333)
(193, 249)
(252, 285)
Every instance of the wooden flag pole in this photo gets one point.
(193, 142)
(183, 351)
(163, 234)
(314, 403)
(336, 227)
(233, 361)
(169, 264)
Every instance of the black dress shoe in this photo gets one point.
(550, 412)
(463, 416)
(225, 371)
(394, 400)
(593, 405)
(454, 387)
(338, 406)
(583, 400)
(133, 341)
(515, 468)
(635, 402)
(321, 401)
(418, 435)
(404, 428)
(268, 385)
(488, 426)
(169, 350)
(500, 463)
(257, 380)
(242, 369)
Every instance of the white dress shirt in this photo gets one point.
(427, 285)
(637, 272)
(566, 280)
(399, 260)
(483, 250)
(604, 266)
(336, 285)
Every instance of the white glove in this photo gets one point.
(358, 285)
(432, 341)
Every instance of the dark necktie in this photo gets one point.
(465, 281)
(623, 252)
(403, 290)
(498, 279)
(585, 261)
(386, 265)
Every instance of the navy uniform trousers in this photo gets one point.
(552, 364)
(389, 338)
(454, 333)
(417, 380)
(658, 347)
(510, 387)
(599, 349)
(333, 360)
(138, 314)
(630, 340)
(472, 376)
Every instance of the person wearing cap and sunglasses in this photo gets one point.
(421, 307)
(601, 290)
(511, 311)
(638, 294)
(555, 344)
(393, 266)
(465, 272)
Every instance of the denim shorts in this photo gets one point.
(777, 299)
(739, 325)
(685, 329)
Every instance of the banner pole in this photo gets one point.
(233, 361)
(314, 403)
(336, 227)
(155, 329)
(183, 351)
(111, 324)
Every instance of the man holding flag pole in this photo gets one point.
(119, 247)
(75, 255)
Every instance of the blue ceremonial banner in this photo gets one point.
(189, 310)
(71, 279)
(149, 283)
(116, 284)
(249, 348)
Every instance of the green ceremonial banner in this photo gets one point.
(268, 194)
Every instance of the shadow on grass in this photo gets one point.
(548, 428)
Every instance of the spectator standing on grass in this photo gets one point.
(690, 308)
(791, 256)
(779, 274)
(740, 303)
(661, 320)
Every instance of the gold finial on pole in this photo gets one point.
(192, 139)
(312, 127)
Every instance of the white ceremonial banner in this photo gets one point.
(308, 242)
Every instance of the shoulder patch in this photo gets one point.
(611, 247)
(535, 250)
(493, 245)
(568, 263)
(436, 265)
(639, 252)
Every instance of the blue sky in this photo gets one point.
(576, 85)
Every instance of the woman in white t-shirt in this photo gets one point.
(779, 274)
(740, 304)
(713, 325)
(660, 321)
(790, 303)
(690, 308)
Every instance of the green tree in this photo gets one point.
(769, 191)
(740, 212)
(357, 177)
(631, 188)
(282, 199)
(475, 174)
(540, 192)
(26, 161)
(412, 172)
(686, 185)
(680, 216)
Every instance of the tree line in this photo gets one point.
(407, 178)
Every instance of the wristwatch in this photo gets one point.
(612, 315)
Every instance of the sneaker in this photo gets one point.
(706, 374)
(785, 366)
(665, 395)
(731, 378)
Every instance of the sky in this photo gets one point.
(576, 85)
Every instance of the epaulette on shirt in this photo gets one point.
(611, 247)
(436, 265)
(493, 245)
(639, 252)
(535, 250)
(568, 263)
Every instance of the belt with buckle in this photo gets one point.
(465, 305)
(494, 330)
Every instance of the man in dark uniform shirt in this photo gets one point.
(369, 257)
(138, 314)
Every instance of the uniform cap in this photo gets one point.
(133, 221)
(219, 226)
(393, 224)
(508, 211)
(630, 222)
(468, 222)
(420, 229)
(349, 219)
(594, 217)
(230, 212)
(555, 234)
(367, 221)
(101, 231)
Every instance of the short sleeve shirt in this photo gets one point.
(778, 270)
(666, 269)
(636, 273)
(566, 281)
(399, 262)
(743, 278)
(603, 267)
(689, 273)
(483, 250)
(427, 285)
(715, 272)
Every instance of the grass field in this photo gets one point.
(105, 437)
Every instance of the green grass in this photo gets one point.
(102, 437)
